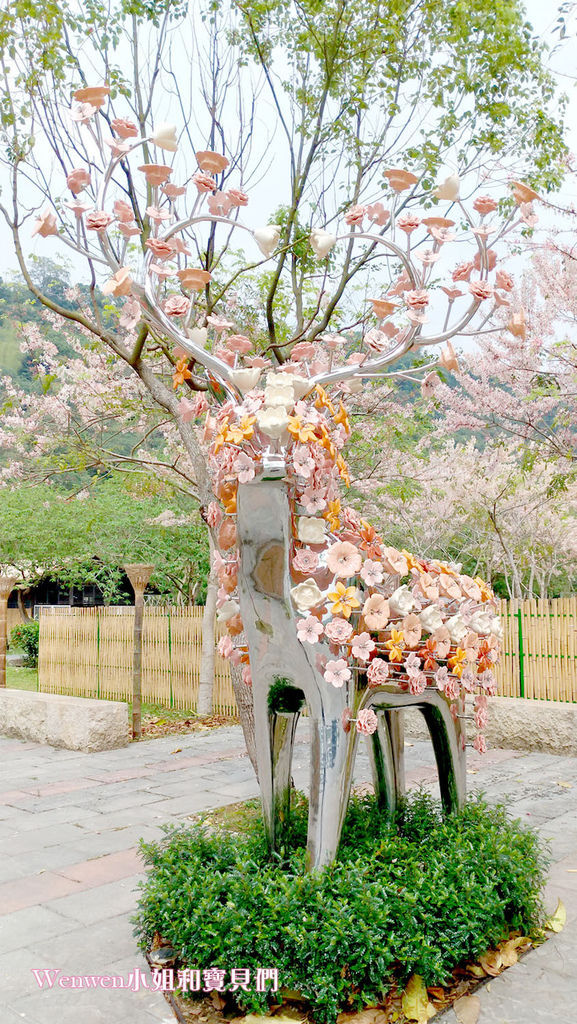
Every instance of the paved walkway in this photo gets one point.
(69, 827)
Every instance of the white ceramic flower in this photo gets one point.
(401, 602)
(267, 238)
(272, 422)
(301, 385)
(449, 189)
(279, 391)
(497, 627)
(311, 530)
(245, 379)
(431, 618)
(457, 627)
(482, 621)
(198, 335)
(322, 242)
(306, 595)
(227, 611)
(165, 137)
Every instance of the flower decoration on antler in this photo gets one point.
(379, 616)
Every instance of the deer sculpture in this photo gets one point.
(318, 608)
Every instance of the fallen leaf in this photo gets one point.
(557, 922)
(563, 784)
(571, 871)
(216, 999)
(476, 970)
(488, 986)
(177, 751)
(467, 1009)
(415, 1001)
(492, 962)
(254, 1018)
(509, 954)
(369, 1015)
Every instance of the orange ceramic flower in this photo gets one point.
(95, 95)
(523, 193)
(486, 592)
(323, 400)
(242, 431)
(342, 418)
(156, 174)
(344, 600)
(212, 162)
(343, 470)
(427, 652)
(399, 179)
(332, 515)
(458, 662)
(193, 278)
(382, 308)
(301, 432)
(181, 373)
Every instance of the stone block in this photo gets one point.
(517, 724)
(77, 723)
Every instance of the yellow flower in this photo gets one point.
(344, 600)
(342, 417)
(327, 443)
(323, 400)
(332, 514)
(395, 645)
(303, 433)
(412, 562)
(486, 592)
(458, 662)
(343, 470)
(242, 431)
(222, 435)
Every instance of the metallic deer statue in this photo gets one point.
(318, 608)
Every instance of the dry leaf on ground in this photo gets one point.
(558, 920)
(467, 1009)
(492, 962)
(415, 1001)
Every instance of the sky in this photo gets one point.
(562, 63)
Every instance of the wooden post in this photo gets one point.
(139, 576)
(6, 588)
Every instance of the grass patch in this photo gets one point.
(417, 896)
(21, 678)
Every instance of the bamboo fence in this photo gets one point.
(88, 652)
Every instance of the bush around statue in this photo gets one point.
(419, 895)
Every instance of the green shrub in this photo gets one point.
(26, 637)
(418, 895)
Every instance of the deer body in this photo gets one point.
(265, 540)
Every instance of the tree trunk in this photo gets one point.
(244, 703)
(206, 678)
(20, 594)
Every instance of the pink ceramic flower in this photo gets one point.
(309, 630)
(367, 722)
(408, 222)
(344, 559)
(214, 515)
(463, 271)
(219, 204)
(412, 630)
(225, 647)
(337, 672)
(417, 681)
(480, 290)
(243, 466)
(441, 677)
(355, 215)
(377, 214)
(78, 179)
(160, 249)
(303, 463)
(238, 343)
(306, 561)
(452, 688)
(247, 675)
(125, 129)
(376, 611)
(362, 646)
(338, 630)
(204, 182)
(504, 280)
(412, 661)
(236, 197)
(394, 562)
(417, 300)
(484, 205)
(45, 225)
(480, 744)
(98, 220)
(377, 672)
(372, 573)
(176, 305)
(442, 640)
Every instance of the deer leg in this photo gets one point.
(283, 727)
(447, 738)
(385, 748)
(332, 760)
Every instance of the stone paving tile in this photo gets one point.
(111, 798)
